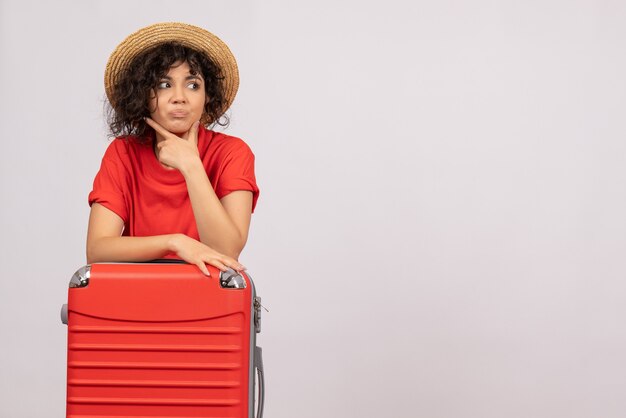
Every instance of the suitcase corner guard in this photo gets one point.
(81, 277)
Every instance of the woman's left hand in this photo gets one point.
(175, 151)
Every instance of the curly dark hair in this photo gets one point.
(131, 94)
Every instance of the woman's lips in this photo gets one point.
(178, 114)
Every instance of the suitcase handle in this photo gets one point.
(258, 362)
(167, 261)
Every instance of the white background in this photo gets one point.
(441, 230)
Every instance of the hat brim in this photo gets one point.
(190, 36)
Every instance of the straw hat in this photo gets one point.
(190, 36)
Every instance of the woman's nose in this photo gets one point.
(178, 95)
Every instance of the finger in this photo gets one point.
(157, 127)
(203, 268)
(235, 265)
(218, 264)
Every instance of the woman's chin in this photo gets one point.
(178, 127)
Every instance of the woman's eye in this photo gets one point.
(163, 85)
(194, 86)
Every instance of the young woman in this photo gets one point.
(168, 187)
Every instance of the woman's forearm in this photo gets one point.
(122, 249)
(215, 227)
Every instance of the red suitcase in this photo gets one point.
(162, 340)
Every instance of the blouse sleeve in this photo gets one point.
(238, 173)
(108, 185)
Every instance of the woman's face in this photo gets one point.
(179, 99)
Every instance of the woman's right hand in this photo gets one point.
(195, 252)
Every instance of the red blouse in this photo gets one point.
(153, 200)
